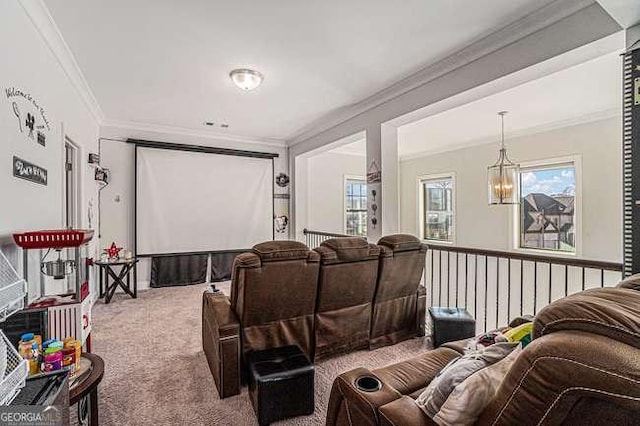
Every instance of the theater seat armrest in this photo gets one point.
(357, 407)
(221, 342)
(224, 318)
(403, 412)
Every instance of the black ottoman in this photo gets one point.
(280, 383)
(451, 324)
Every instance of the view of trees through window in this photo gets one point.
(356, 207)
(438, 209)
(547, 208)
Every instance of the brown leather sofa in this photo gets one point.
(347, 282)
(582, 368)
(321, 300)
(399, 304)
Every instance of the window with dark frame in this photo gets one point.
(356, 207)
(547, 208)
(437, 209)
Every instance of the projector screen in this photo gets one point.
(200, 201)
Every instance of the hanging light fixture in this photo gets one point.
(246, 79)
(503, 175)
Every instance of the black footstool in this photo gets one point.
(280, 383)
(451, 324)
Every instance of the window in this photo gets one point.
(356, 207)
(547, 211)
(437, 209)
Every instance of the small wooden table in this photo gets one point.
(84, 391)
(107, 269)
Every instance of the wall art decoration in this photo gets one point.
(374, 208)
(282, 180)
(112, 252)
(30, 122)
(102, 175)
(25, 170)
(281, 217)
(30, 115)
(16, 112)
(94, 159)
(281, 223)
(374, 175)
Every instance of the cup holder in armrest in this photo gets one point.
(368, 384)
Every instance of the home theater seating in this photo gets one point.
(347, 283)
(343, 296)
(581, 367)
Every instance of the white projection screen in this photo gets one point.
(199, 201)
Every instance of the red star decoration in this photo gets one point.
(113, 251)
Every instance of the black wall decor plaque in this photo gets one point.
(25, 170)
(94, 158)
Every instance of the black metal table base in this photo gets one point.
(120, 279)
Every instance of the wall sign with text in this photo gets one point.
(30, 116)
(25, 170)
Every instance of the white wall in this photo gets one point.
(117, 199)
(325, 189)
(29, 65)
(480, 225)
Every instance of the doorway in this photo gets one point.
(71, 200)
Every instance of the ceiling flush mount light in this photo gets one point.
(246, 79)
(503, 175)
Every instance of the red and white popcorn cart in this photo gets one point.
(63, 289)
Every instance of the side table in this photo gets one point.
(120, 279)
(84, 390)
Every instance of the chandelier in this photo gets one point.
(503, 175)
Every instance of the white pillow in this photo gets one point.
(457, 371)
(467, 400)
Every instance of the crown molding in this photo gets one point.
(335, 146)
(625, 12)
(352, 154)
(42, 20)
(132, 126)
(509, 34)
(530, 131)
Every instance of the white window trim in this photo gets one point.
(420, 197)
(514, 218)
(344, 197)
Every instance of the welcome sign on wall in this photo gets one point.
(31, 118)
(32, 123)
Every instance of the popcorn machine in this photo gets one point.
(63, 290)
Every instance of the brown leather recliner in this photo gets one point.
(273, 293)
(582, 368)
(399, 304)
(273, 299)
(348, 273)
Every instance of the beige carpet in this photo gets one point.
(156, 372)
